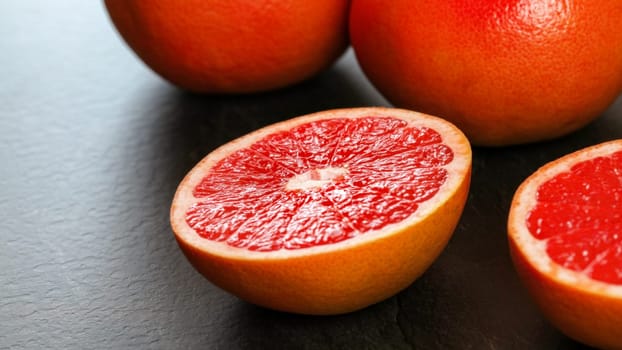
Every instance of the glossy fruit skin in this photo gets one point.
(236, 46)
(504, 71)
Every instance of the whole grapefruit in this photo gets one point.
(233, 46)
(504, 71)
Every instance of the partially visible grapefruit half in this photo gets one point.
(565, 236)
(325, 213)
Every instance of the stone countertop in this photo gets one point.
(92, 147)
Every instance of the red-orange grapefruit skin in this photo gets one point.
(233, 46)
(504, 71)
(590, 318)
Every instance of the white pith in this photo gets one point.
(457, 171)
(534, 249)
(315, 178)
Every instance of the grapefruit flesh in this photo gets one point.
(325, 213)
(354, 187)
(565, 231)
(579, 213)
(504, 71)
(235, 46)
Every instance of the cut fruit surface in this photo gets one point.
(565, 235)
(325, 213)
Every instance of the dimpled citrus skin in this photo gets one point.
(504, 71)
(233, 46)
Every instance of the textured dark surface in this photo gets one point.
(93, 145)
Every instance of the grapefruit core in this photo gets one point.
(325, 213)
(565, 234)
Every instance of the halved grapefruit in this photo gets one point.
(565, 236)
(325, 213)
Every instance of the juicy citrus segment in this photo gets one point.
(325, 213)
(579, 214)
(372, 172)
(564, 228)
